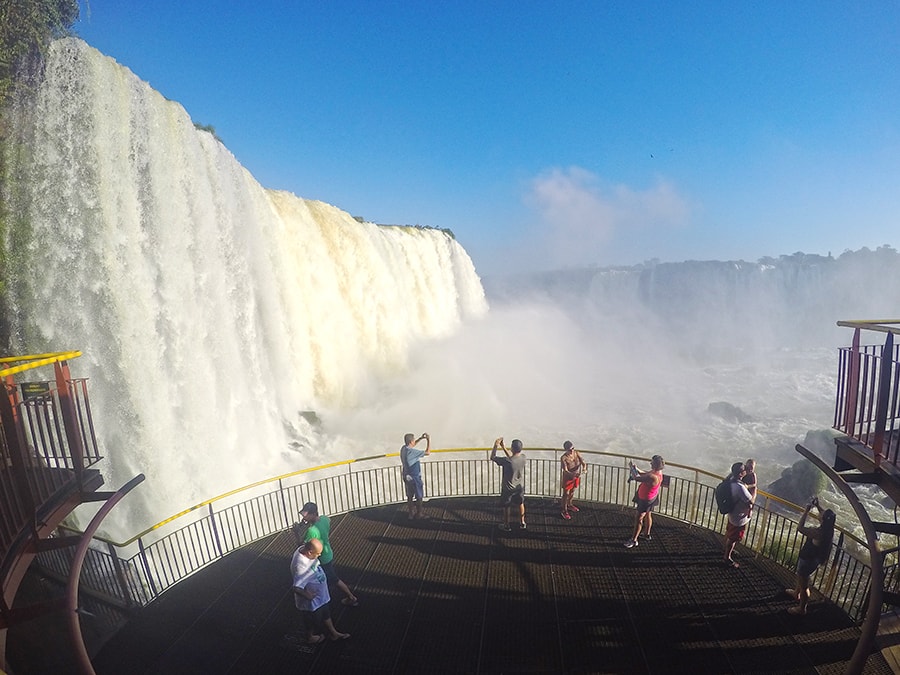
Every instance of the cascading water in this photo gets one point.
(210, 311)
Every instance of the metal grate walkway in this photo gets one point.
(453, 594)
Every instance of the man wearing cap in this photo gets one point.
(412, 471)
(512, 493)
(319, 527)
(739, 516)
(311, 595)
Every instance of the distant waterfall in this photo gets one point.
(210, 311)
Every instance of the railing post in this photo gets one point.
(695, 501)
(852, 384)
(120, 575)
(215, 529)
(146, 563)
(831, 579)
(284, 511)
(884, 391)
(762, 527)
(70, 423)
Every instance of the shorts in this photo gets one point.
(331, 575)
(415, 488)
(806, 567)
(645, 506)
(571, 483)
(513, 497)
(315, 621)
(734, 533)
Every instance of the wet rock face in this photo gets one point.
(728, 412)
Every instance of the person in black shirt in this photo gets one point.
(815, 551)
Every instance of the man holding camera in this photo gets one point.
(412, 471)
(512, 494)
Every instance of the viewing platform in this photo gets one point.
(454, 594)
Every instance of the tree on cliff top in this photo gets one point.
(26, 28)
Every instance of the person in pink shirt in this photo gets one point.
(646, 497)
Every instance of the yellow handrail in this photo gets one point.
(348, 462)
(34, 361)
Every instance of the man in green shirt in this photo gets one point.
(320, 528)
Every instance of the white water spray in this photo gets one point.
(210, 311)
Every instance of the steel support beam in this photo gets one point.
(869, 627)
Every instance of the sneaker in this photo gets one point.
(574, 508)
(631, 543)
(565, 514)
(503, 527)
(645, 537)
(521, 526)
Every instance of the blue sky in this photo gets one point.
(547, 134)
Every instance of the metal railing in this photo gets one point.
(867, 406)
(47, 441)
(135, 572)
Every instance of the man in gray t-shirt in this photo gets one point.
(512, 494)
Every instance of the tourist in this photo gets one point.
(749, 478)
(572, 468)
(311, 595)
(512, 492)
(320, 528)
(412, 471)
(739, 515)
(814, 552)
(645, 497)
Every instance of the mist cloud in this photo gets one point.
(581, 217)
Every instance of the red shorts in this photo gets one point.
(571, 483)
(734, 532)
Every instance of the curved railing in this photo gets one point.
(138, 570)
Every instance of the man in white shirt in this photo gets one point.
(311, 595)
(739, 515)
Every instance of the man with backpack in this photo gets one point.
(739, 515)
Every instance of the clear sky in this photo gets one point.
(550, 134)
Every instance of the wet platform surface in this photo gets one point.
(454, 594)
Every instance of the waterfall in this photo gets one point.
(210, 311)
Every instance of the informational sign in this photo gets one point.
(34, 389)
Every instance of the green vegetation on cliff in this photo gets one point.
(26, 29)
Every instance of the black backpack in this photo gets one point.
(724, 496)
